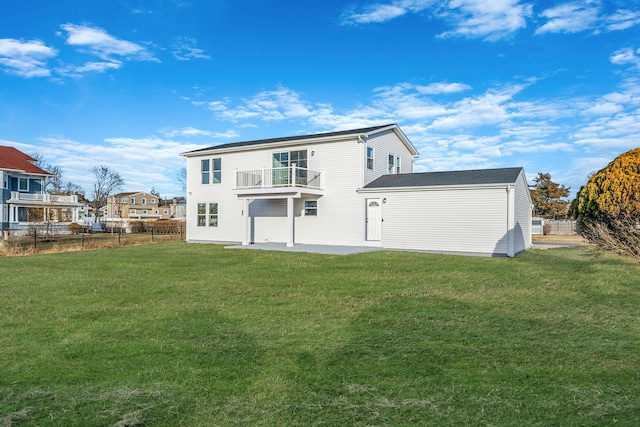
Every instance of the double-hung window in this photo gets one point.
(202, 214)
(213, 214)
(370, 158)
(211, 170)
(23, 184)
(394, 164)
(207, 214)
(311, 208)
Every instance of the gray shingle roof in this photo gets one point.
(292, 138)
(428, 179)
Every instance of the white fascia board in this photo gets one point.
(434, 188)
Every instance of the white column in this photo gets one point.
(247, 223)
(290, 222)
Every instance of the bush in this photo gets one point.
(608, 206)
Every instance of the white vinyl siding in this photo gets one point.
(436, 220)
(341, 221)
(522, 238)
(387, 142)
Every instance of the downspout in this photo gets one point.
(363, 153)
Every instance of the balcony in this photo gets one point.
(274, 181)
(42, 198)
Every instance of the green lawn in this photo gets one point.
(197, 335)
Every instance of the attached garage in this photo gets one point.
(475, 212)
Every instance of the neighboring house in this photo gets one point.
(143, 206)
(132, 205)
(353, 188)
(24, 201)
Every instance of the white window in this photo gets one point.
(211, 168)
(390, 166)
(132, 201)
(311, 207)
(23, 184)
(132, 211)
(202, 214)
(165, 212)
(370, 158)
(204, 168)
(153, 201)
(216, 169)
(144, 201)
(207, 214)
(144, 212)
(397, 164)
(213, 214)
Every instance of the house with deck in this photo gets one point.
(24, 201)
(352, 188)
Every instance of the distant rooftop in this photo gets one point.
(465, 177)
(14, 159)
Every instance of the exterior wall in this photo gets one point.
(384, 144)
(435, 220)
(340, 216)
(523, 215)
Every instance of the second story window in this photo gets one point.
(132, 201)
(144, 201)
(397, 164)
(391, 163)
(23, 184)
(370, 158)
(211, 171)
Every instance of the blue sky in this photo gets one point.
(553, 86)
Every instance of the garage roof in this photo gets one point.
(430, 179)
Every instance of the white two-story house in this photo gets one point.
(335, 189)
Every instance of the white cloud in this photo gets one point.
(25, 59)
(603, 109)
(570, 18)
(622, 20)
(382, 12)
(98, 42)
(184, 49)
(626, 56)
(194, 132)
(491, 20)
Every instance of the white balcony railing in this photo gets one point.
(42, 198)
(291, 176)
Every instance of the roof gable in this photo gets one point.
(362, 132)
(431, 179)
(14, 159)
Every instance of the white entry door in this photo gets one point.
(374, 219)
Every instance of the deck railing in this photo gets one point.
(291, 176)
(44, 198)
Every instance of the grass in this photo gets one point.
(196, 335)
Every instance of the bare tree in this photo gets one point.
(53, 184)
(107, 181)
(182, 178)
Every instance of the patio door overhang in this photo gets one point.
(288, 194)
